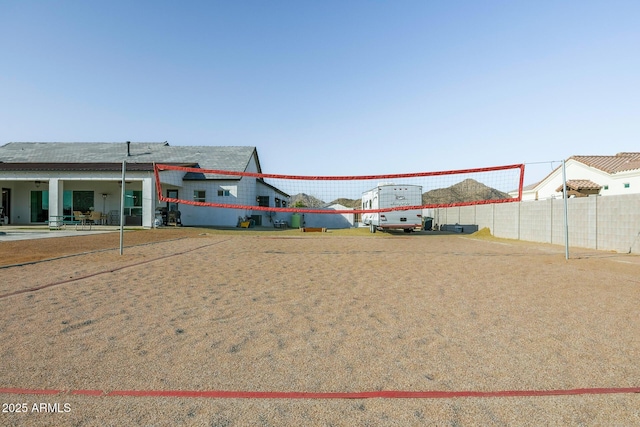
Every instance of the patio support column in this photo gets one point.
(148, 197)
(56, 191)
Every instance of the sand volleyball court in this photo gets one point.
(198, 327)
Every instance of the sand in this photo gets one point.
(199, 310)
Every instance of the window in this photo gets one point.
(606, 187)
(39, 206)
(263, 200)
(132, 198)
(626, 185)
(132, 203)
(67, 204)
(199, 196)
(172, 194)
(223, 193)
(280, 203)
(83, 201)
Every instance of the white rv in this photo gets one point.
(389, 195)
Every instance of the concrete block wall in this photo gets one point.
(506, 219)
(557, 222)
(484, 216)
(535, 220)
(452, 216)
(602, 222)
(467, 215)
(618, 223)
(582, 221)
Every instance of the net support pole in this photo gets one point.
(122, 195)
(566, 210)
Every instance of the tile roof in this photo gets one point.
(580, 184)
(231, 158)
(611, 164)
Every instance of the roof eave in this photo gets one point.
(78, 167)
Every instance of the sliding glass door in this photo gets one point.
(39, 206)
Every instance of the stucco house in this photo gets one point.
(590, 175)
(42, 180)
(329, 220)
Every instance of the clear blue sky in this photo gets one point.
(329, 87)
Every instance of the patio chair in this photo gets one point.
(96, 217)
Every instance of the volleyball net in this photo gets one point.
(253, 191)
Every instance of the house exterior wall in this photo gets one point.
(242, 191)
(617, 186)
(21, 203)
(252, 165)
(248, 188)
(208, 216)
(330, 220)
(268, 217)
(575, 170)
(171, 178)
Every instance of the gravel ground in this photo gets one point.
(197, 310)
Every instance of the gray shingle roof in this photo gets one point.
(231, 158)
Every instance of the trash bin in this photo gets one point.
(295, 220)
(428, 223)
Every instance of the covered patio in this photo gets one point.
(68, 197)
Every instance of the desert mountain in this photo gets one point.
(349, 203)
(302, 200)
(468, 190)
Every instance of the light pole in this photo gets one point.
(124, 167)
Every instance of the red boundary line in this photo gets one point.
(389, 394)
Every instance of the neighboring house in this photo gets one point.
(589, 175)
(331, 220)
(41, 180)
